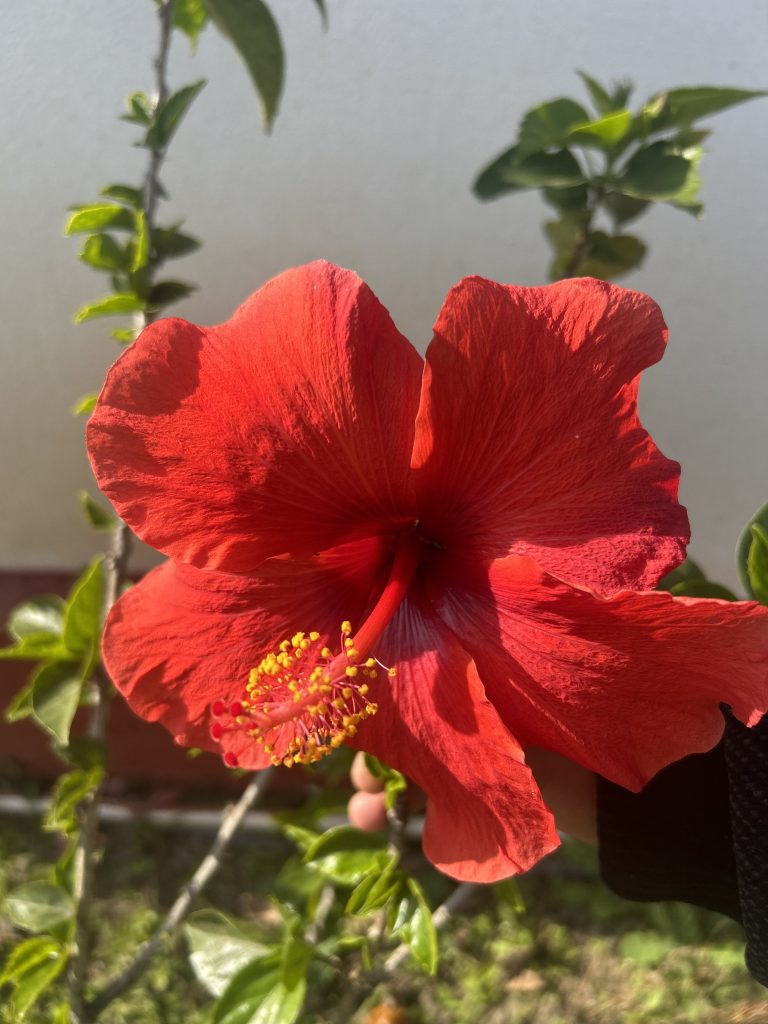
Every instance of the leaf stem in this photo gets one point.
(207, 868)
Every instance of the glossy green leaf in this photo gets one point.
(219, 948)
(113, 305)
(166, 292)
(421, 934)
(43, 614)
(169, 116)
(253, 32)
(683, 106)
(382, 883)
(82, 618)
(126, 194)
(68, 792)
(703, 588)
(170, 242)
(85, 405)
(510, 172)
(39, 906)
(31, 968)
(603, 133)
(624, 209)
(56, 693)
(548, 125)
(609, 257)
(744, 545)
(102, 252)
(141, 244)
(258, 994)
(97, 216)
(190, 17)
(686, 572)
(99, 517)
(345, 854)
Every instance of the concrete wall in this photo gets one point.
(384, 122)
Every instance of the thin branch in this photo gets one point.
(361, 987)
(202, 876)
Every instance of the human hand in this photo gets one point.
(568, 790)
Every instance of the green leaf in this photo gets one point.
(39, 906)
(421, 934)
(602, 133)
(31, 968)
(99, 517)
(190, 17)
(258, 994)
(82, 619)
(139, 109)
(43, 614)
(97, 216)
(345, 854)
(166, 292)
(55, 697)
(169, 116)
(253, 31)
(757, 563)
(36, 647)
(376, 889)
(125, 335)
(685, 572)
(683, 106)
(703, 588)
(597, 93)
(112, 305)
(657, 171)
(20, 706)
(141, 245)
(548, 125)
(70, 790)
(102, 252)
(219, 947)
(126, 194)
(85, 404)
(624, 209)
(646, 948)
(170, 242)
(510, 173)
(744, 546)
(609, 257)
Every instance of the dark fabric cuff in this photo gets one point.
(673, 840)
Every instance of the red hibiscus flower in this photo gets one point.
(428, 558)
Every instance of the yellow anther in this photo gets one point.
(314, 636)
(351, 671)
(363, 689)
(346, 693)
(326, 652)
(346, 626)
(391, 672)
(370, 663)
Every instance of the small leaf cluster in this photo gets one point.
(613, 163)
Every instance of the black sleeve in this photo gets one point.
(698, 832)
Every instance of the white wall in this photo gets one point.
(384, 122)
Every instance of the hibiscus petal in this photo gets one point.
(486, 819)
(623, 686)
(184, 637)
(287, 429)
(528, 440)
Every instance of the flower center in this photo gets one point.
(302, 701)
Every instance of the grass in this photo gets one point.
(574, 955)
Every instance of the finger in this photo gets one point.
(367, 811)
(362, 778)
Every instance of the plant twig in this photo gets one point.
(361, 987)
(207, 868)
(88, 812)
